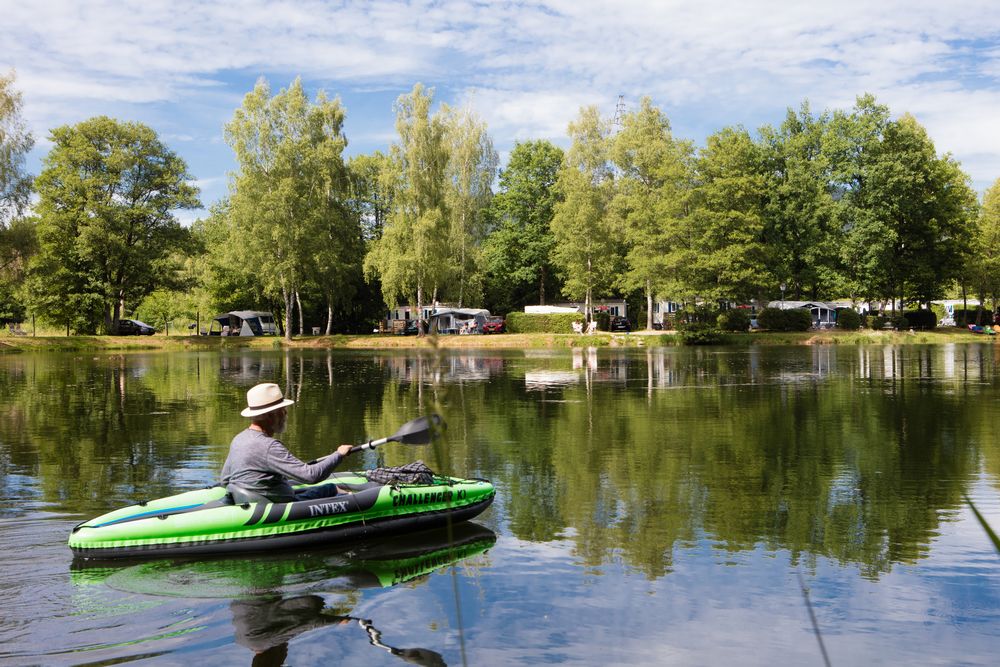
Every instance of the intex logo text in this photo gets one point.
(328, 508)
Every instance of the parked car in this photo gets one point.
(495, 324)
(620, 324)
(411, 327)
(135, 328)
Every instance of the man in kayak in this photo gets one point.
(259, 465)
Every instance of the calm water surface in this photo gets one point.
(661, 506)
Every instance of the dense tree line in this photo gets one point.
(841, 204)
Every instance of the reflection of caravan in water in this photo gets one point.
(243, 323)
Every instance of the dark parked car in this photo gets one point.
(134, 328)
(410, 329)
(620, 324)
(495, 325)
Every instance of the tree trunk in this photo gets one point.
(586, 303)
(111, 325)
(649, 306)
(298, 302)
(541, 287)
(286, 296)
(461, 276)
(420, 307)
(329, 317)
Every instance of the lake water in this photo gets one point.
(762, 506)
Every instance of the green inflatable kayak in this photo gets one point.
(209, 521)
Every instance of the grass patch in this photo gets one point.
(498, 341)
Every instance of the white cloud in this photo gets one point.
(528, 66)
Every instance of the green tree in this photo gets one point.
(911, 215)
(107, 194)
(585, 252)
(412, 256)
(17, 234)
(650, 202)
(732, 259)
(801, 216)
(230, 282)
(15, 144)
(985, 261)
(288, 212)
(472, 166)
(518, 251)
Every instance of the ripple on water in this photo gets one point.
(56, 613)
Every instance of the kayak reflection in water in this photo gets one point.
(266, 625)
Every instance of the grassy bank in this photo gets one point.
(503, 341)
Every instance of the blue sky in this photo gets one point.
(525, 67)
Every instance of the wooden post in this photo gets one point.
(197, 323)
(32, 325)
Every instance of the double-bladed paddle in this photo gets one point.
(414, 432)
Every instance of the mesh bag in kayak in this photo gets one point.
(411, 473)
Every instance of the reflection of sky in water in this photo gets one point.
(535, 603)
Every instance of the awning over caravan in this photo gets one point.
(243, 323)
(459, 320)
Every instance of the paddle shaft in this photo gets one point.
(371, 444)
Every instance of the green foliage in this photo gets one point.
(586, 251)
(288, 218)
(878, 322)
(920, 319)
(472, 166)
(652, 191)
(802, 220)
(792, 319)
(910, 212)
(848, 319)
(704, 313)
(731, 259)
(15, 144)
(413, 258)
(106, 226)
(734, 319)
(603, 320)
(982, 268)
(899, 323)
(542, 322)
(18, 241)
(700, 333)
(374, 184)
(163, 306)
(517, 254)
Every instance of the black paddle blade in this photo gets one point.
(418, 431)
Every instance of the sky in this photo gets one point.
(526, 68)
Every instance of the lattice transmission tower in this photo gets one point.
(619, 118)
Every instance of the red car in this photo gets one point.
(495, 325)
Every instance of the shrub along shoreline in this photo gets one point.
(499, 341)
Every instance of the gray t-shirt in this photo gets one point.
(260, 463)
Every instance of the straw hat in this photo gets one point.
(264, 398)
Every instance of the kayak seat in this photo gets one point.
(243, 495)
